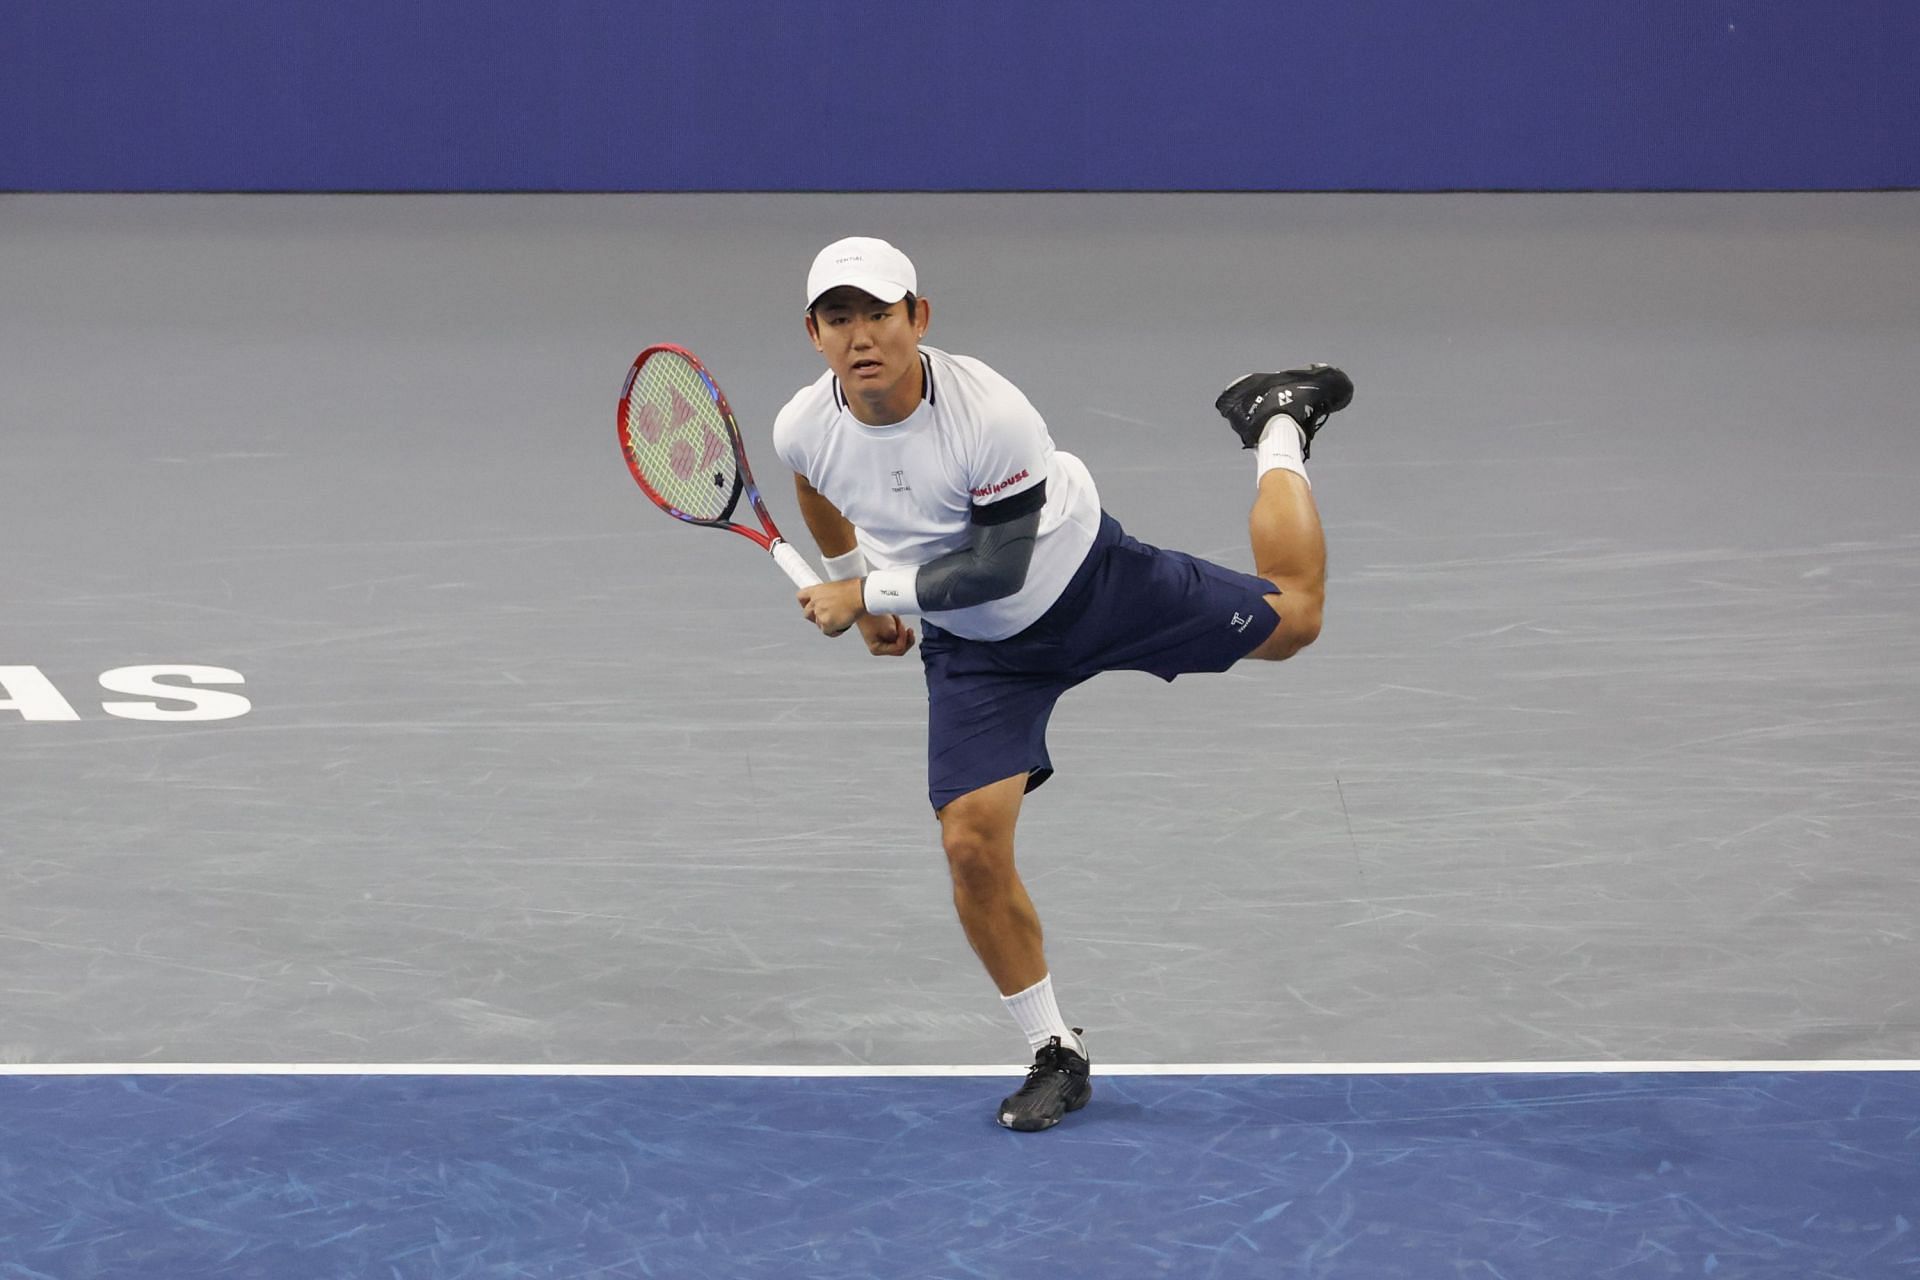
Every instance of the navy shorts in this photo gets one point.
(1129, 607)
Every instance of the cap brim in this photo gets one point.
(887, 291)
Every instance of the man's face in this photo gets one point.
(873, 348)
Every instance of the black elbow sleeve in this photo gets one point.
(994, 567)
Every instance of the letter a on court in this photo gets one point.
(28, 691)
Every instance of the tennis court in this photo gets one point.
(562, 904)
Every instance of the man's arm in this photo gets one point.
(833, 534)
(831, 531)
(991, 567)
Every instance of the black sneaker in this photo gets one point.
(1056, 1084)
(1306, 395)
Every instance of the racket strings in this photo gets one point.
(678, 438)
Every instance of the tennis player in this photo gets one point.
(933, 489)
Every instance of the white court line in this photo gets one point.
(860, 1072)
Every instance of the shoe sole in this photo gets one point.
(1044, 1125)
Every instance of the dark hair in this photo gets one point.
(909, 299)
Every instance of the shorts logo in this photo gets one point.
(900, 484)
(1240, 623)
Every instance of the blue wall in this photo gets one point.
(400, 95)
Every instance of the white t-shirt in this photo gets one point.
(908, 488)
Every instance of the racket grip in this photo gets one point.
(793, 564)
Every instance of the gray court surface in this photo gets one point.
(1610, 748)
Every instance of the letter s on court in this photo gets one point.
(208, 704)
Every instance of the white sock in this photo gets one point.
(1281, 446)
(1039, 1016)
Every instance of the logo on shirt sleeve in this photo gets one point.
(988, 491)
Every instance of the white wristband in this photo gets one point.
(840, 568)
(891, 590)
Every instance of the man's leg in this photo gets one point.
(976, 831)
(1000, 922)
(1290, 551)
(1277, 415)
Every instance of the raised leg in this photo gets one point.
(1278, 415)
(1290, 551)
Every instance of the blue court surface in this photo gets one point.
(1786, 1173)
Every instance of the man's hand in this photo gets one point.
(836, 606)
(833, 606)
(886, 635)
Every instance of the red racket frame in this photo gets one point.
(768, 533)
(767, 536)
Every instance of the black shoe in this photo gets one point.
(1306, 395)
(1056, 1084)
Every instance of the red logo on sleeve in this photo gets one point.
(989, 490)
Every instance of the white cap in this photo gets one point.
(873, 266)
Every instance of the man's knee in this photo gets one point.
(1304, 626)
(1299, 624)
(979, 856)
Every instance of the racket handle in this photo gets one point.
(793, 564)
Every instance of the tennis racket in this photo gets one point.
(679, 438)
